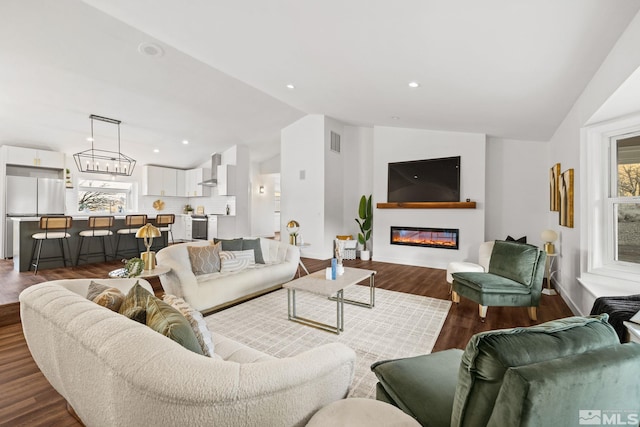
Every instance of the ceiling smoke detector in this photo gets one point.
(151, 49)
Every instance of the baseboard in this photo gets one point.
(10, 314)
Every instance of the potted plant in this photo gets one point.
(365, 222)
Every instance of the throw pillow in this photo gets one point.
(232, 265)
(523, 239)
(168, 321)
(134, 304)
(257, 249)
(248, 255)
(195, 319)
(230, 244)
(105, 296)
(204, 259)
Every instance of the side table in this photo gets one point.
(549, 274)
(302, 246)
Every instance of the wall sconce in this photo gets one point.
(148, 232)
(261, 189)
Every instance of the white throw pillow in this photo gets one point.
(195, 320)
(231, 265)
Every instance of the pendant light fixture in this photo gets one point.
(104, 161)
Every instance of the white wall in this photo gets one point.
(357, 149)
(302, 199)
(517, 199)
(398, 144)
(565, 147)
(262, 204)
(333, 187)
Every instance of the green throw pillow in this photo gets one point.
(230, 244)
(257, 249)
(168, 321)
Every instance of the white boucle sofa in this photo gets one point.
(114, 371)
(210, 292)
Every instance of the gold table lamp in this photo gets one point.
(148, 232)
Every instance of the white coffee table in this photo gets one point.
(334, 290)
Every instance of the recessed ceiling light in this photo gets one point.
(290, 86)
(151, 49)
(185, 142)
(395, 118)
(414, 85)
(89, 139)
(155, 150)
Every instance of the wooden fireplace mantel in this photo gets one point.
(427, 205)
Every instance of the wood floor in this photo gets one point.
(27, 399)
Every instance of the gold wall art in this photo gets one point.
(566, 198)
(554, 188)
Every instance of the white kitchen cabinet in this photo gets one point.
(188, 236)
(180, 182)
(212, 227)
(159, 181)
(31, 157)
(178, 229)
(226, 180)
(193, 177)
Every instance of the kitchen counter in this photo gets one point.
(24, 227)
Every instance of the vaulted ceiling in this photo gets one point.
(506, 68)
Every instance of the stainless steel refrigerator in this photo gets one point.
(29, 196)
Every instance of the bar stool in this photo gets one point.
(99, 226)
(164, 223)
(54, 228)
(132, 224)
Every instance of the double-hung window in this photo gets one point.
(624, 202)
(610, 186)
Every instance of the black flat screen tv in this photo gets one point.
(429, 180)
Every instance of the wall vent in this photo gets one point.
(335, 142)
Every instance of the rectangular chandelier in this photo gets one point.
(104, 161)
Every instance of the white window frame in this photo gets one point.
(131, 193)
(597, 206)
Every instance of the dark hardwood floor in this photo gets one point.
(27, 399)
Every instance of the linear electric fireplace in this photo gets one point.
(444, 238)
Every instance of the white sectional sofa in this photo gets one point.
(209, 292)
(114, 371)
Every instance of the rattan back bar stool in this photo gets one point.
(131, 225)
(53, 228)
(164, 223)
(99, 226)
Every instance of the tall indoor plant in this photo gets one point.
(365, 222)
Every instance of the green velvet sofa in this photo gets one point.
(514, 279)
(545, 375)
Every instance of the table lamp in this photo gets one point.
(292, 229)
(548, 237)
(148, 232)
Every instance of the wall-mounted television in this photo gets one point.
(429, 180)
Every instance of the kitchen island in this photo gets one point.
(24, 227)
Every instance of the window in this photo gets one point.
(104, 197)
(624, 199)
(610, 182)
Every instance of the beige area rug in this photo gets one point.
(400, 325)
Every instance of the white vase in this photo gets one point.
(364, 255)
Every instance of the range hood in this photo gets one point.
(216, 160)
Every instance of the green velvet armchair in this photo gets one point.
(545, 375)
(515, 275)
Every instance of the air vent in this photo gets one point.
(335, 142)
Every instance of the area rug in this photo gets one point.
(400, 325)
